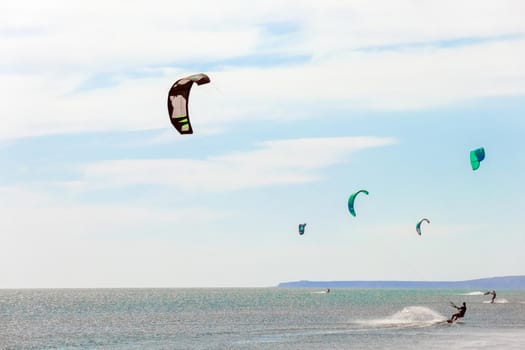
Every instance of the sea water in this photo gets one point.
(265, 318)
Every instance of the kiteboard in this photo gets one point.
(452, 322)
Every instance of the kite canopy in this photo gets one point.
(418, 225)
(476, 156)
(352, 199)
(301, 228)
(178, 101)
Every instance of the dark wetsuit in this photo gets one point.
(493, 296)
(461, 312)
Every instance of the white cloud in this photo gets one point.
(275, 162)
(337, 25)
(42, 216)
(153, 32)
(49, 242)
(408, 79)
(52, 51)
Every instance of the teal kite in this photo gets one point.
(301, 228)
(418, 225)
(178, 101)
(352, 199)
(476, 156)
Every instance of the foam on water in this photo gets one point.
(473, 293)
(497, 301)
(411, 316)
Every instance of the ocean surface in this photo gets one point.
(260, 318)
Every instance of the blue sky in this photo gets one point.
(308, 103)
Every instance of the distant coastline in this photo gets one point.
(503, 282)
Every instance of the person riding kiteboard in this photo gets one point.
(461, 312)
(493, 293)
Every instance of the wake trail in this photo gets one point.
(411, 316)
(497, 301)
(473, 293)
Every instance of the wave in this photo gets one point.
(411, 316)
(473, 293)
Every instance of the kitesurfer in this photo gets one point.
(328, 290)
(459, 314)
(493, 293)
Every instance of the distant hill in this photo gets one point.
(505, 282)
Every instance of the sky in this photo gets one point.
(308, 102)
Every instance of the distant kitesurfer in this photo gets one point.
(328, 290)
(493, 293)
(459, 314)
